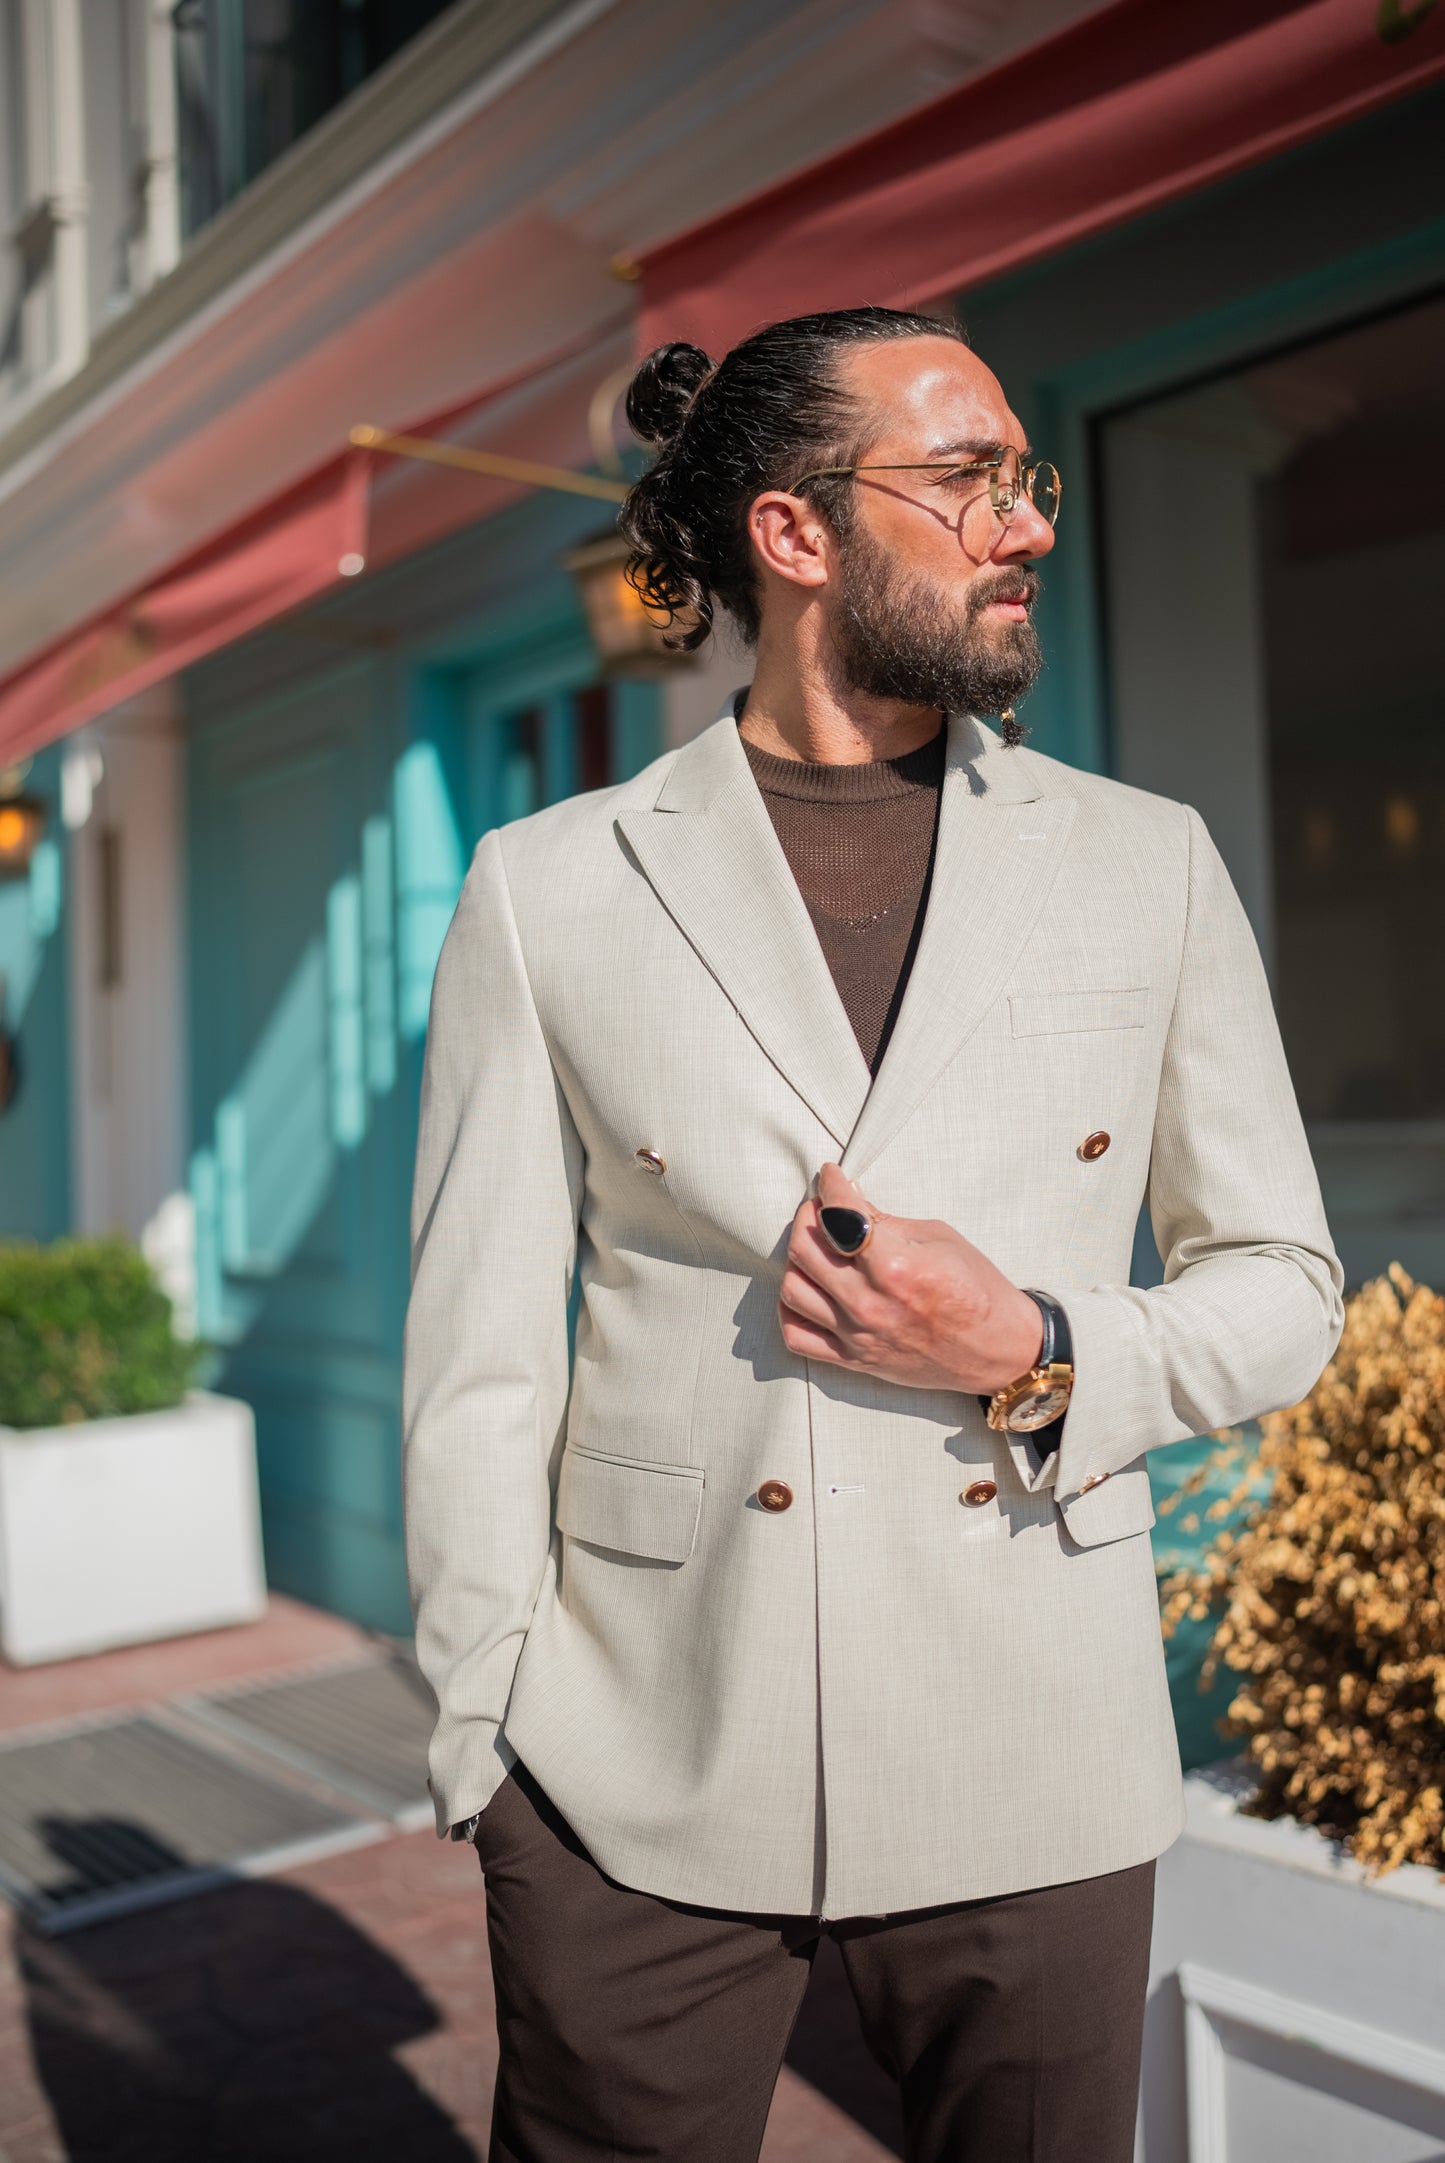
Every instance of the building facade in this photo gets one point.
(267, 699)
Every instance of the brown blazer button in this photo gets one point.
(650, 1162)
(775, 1495)
(980, 1492)
(1093, 1145)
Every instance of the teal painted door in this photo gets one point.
(330, 831)
(535, 732)
(301, 1132)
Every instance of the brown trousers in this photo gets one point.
(636, 2027)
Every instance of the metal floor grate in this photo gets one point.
(114, 1816)
(363, 1729)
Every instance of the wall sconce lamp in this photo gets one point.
(627, 635)
(22, 822)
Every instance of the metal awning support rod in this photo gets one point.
(367, 438)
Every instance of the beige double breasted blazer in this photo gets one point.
(881, 1697)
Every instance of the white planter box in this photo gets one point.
(1296, 2008)
(123, 1530)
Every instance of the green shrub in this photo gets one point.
(85, 1333)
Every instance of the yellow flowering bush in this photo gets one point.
(1333, 1590)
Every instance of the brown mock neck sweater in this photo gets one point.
(859, 841)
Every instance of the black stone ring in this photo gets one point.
(847, 1231)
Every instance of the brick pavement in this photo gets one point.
(289, 1636)
(340, 2010)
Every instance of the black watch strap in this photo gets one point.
(1058, 1340)
(1058, 1344)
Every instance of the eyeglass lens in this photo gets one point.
(1040, 483)
(1045, 490)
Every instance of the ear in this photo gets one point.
(792, 539)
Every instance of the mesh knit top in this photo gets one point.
(859, 841)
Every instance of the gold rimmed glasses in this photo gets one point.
(1009, 478)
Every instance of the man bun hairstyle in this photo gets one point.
(768, 411)
(662, 390)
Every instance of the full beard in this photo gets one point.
(899, 639)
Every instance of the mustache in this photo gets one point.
(1019, 584)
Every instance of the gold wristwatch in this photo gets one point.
(1042, 1395)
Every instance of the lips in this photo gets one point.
(1013, 597)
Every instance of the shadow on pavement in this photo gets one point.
(255, 2021)
(248, 2022)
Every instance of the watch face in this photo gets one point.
(1040, 1408)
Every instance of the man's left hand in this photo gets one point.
(919, 1305)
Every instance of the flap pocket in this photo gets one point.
(626, 1504)
(1053, 1013)
(1117, 1509)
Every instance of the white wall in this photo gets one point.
(87, 178)
(128, 1064)
(693, 697)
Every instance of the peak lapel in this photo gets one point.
(1000, 844)
(711, 855)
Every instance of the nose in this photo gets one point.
(1026, 536)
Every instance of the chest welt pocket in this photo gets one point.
(1060, 1013)
(630, 1506)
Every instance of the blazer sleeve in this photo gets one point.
(485, 1378)
(1250, 1307)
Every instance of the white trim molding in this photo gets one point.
(127, 974)
(1210, 1997)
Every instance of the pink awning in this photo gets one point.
(282, 555)
(1131, 107)
(356, 512)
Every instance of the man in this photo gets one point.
(834, 1055)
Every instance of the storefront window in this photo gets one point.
(1352, 558)
(1275, 556)
(252, 76)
